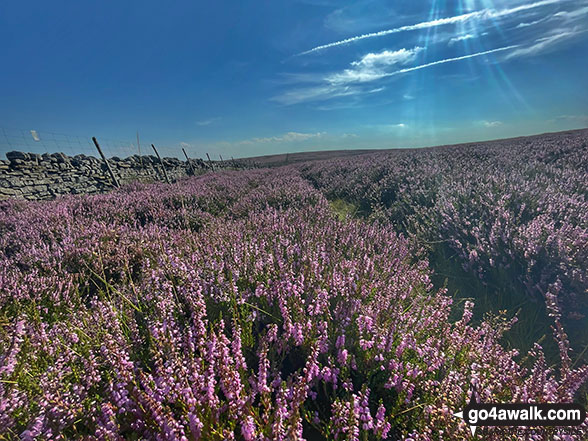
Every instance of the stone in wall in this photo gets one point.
(36, 177)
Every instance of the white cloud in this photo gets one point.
(459, 38)
(396, 128)
(408, 97)
(544, 43)
(360, 15)
(348, 82)
(573, 117)
(287, 137)
(483, 14)
(490, 124)
(306, 94)
(583, 119)
(565, 16)
(387, 58)
(356, 76)
(207, 122)
(185, 145)
(570, 15)
(526, 25)
(373, 66)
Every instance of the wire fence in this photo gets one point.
(33, 141)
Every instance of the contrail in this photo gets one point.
(450, 60)
(483, 14)
(423, 25)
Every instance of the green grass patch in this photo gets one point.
(343, 209)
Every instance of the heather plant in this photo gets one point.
(512, 214)
(241, 305)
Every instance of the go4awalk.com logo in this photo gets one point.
(521, 414)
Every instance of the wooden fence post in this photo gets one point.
(112, 175)
(189, 163)
(162, 166)
(210, 162)
(139, 147)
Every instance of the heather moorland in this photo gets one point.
(345, 299)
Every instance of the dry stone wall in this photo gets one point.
(34, 177)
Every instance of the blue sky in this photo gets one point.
(242, 78)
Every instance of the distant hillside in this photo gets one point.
(290, 158)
